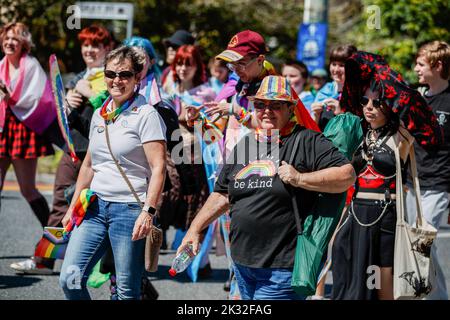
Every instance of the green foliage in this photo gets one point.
(405, 26)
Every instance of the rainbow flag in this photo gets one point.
(87, 196)
(59, 95)
(53, 243)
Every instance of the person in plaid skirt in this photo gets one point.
(26, 110)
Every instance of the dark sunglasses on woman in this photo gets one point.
(122, 74)
(375, 102)
(274, 106)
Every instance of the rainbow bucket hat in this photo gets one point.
(274, 88)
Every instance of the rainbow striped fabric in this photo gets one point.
(53, 243)
(59, 95)
(87, 196)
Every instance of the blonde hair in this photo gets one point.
(434, 52)
(21, 31)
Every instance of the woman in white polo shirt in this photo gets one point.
(137, 139)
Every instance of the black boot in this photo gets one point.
(41, 210)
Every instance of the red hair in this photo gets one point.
(190, 55)
(95, 35)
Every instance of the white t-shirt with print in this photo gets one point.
(139, 124)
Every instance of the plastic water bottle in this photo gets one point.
(182, 260)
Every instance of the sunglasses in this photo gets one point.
(375, 102)
(274, 106)
(122, 74)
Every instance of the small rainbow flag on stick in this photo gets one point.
(54, 241)
(59, 95)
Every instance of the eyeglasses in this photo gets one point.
(240, 66)
(375, 102)
(122, 74)
(273, 105)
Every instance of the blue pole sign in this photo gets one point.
(311, 44)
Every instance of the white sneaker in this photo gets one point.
(29, 267)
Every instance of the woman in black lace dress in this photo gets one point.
(363, 250)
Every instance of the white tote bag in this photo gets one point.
(412, 243)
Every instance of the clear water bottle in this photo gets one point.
(182, 260)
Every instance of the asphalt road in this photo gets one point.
(20, 230)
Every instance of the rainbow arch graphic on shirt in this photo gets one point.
(262, 168)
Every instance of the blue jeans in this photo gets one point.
(265, 283)
(89, 242)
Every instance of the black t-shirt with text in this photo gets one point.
(433, 163)
(263, 231)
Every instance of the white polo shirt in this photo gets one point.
(139, 124)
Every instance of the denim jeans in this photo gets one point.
(89, 241)
(265, 283)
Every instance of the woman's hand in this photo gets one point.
(193, 238)
(333, 104)
(214, 107)
(67, 217)
(84, 88)
(74, 99)
(288, 174)
(4, 92)
(317, 108)
(192, 114)
(142, 226)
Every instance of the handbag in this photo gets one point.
(154, 239)
(412, 242)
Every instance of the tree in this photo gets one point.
(404, 26)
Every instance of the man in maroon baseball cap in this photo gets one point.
(242, 44)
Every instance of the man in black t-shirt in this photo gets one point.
(433, 164)
(255, 184)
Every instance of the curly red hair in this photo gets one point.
(190, 55)
(95, 35)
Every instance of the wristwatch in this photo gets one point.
(150, 210)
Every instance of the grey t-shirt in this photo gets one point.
(139, 124)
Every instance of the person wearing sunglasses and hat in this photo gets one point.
(137, 140)
(245, 56)
(255, 186)
(366, 237)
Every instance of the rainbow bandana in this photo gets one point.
(115, 113)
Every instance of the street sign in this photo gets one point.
(311, 44)
(108, 11)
